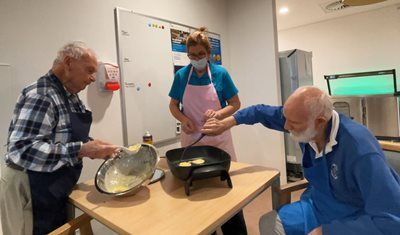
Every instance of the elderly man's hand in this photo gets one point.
(214, 126)
(316, 231)
(98, 149)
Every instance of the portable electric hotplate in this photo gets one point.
(199, 162)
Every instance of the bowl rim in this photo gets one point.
(144, 182)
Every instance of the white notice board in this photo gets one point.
(146, 62)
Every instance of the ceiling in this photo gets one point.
(303, 12)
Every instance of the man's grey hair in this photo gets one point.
(319, 105)
(75, 49)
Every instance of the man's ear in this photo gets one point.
(320, 121)
(67, 62)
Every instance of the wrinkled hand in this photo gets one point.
(98, 149)
(213, 126)
(211, 114)
(316, 231)
(188, 126)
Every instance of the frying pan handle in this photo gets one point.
(184, 150)
(201, 137)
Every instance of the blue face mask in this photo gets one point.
(199, 64)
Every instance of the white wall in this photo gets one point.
(254, 68)
(32, 32)
(362, 42)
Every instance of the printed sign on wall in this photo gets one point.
(216, 57)
(178, 41)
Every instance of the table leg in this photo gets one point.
(275, 192)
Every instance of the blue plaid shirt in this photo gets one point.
(39, 137)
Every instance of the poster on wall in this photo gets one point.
(178, 43)
(215, 42)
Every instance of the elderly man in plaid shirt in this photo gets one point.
(48, 137)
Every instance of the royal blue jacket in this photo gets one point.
(365, 180)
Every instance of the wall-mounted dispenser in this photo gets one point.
(108, 77)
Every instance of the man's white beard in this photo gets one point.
(305, 136)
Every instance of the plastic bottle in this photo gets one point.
(147, 138)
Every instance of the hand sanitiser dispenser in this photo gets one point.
(108, 77)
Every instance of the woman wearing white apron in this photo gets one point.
(205, 91)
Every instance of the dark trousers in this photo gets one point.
(235, 226)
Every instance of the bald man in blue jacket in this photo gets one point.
(352, 189)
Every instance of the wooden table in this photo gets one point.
(164, 208)
(390, 146)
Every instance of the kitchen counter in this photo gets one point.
(390, 146)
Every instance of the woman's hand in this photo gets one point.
(232, 106)
(211, 114)
(188, 126)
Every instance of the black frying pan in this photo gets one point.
(215, 160)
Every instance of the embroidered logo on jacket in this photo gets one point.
(334, 171)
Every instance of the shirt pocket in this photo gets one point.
(62, 132)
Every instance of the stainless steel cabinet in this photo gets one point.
(295, 71)
(380, 114)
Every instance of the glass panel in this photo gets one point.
(367, 85)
